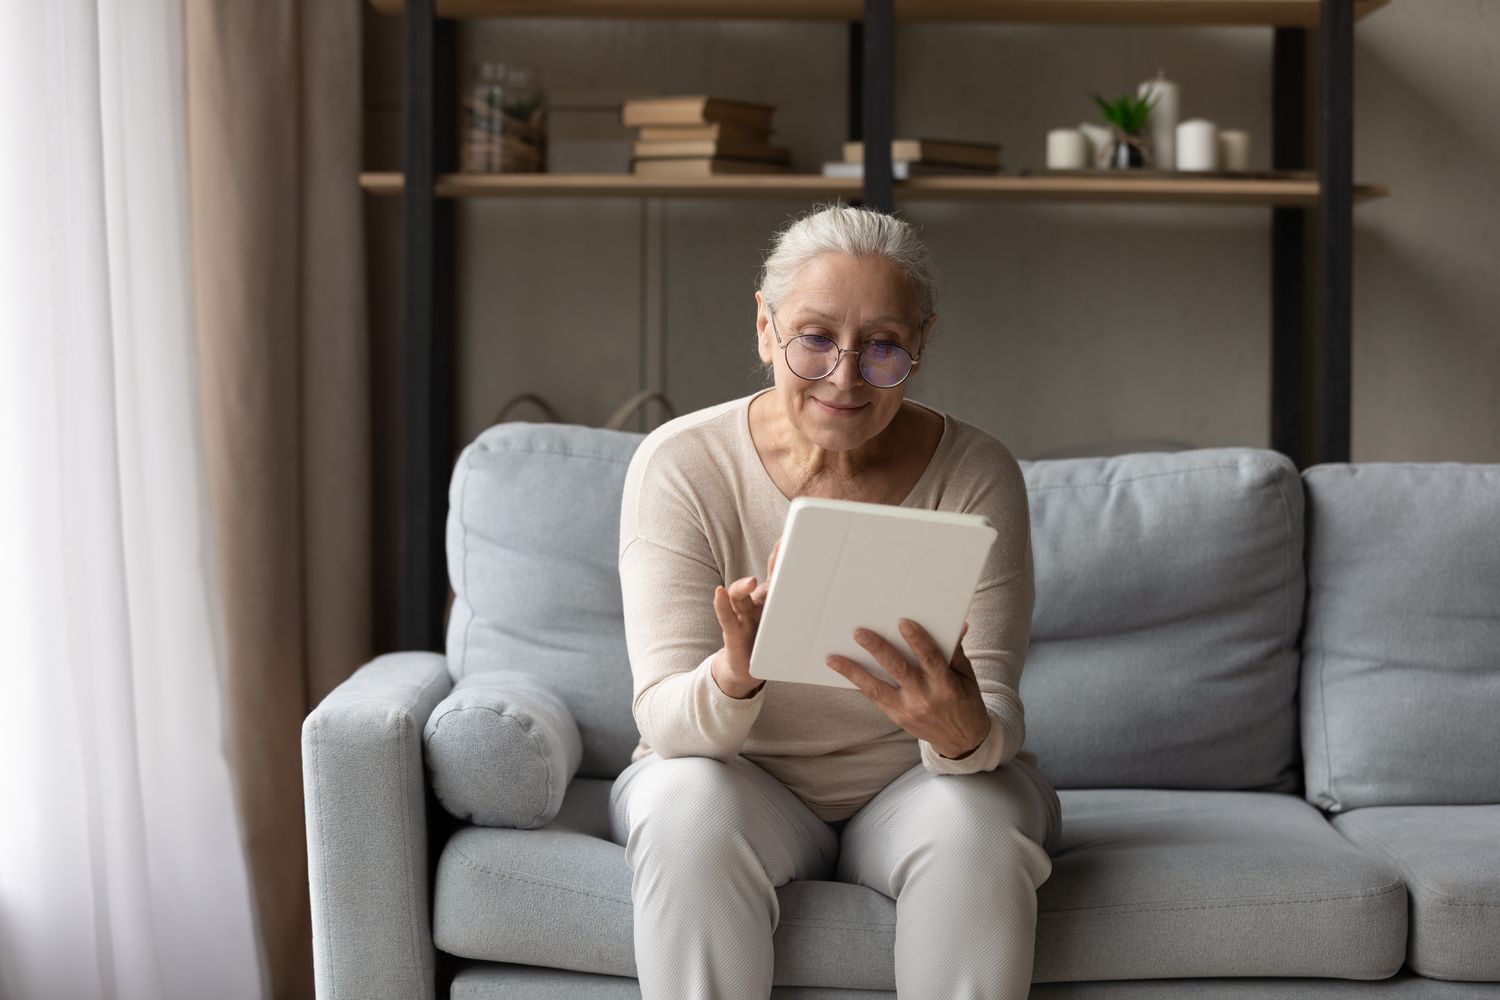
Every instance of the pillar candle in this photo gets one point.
(1197, 146)
(1234, 149)
(1067, 149)
(1163, 121)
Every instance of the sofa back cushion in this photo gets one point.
(1169, 591)
(533, 541)
(1402, 649)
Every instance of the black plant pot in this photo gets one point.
(1127, 154)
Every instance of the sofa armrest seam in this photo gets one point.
(328, 948)
(403, 734)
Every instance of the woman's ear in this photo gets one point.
(764, 338)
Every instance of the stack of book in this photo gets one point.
(699, 136)
(921, 157)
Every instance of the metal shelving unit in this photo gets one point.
(1311, 209)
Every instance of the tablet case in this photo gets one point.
(845, 564)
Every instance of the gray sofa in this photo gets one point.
(1268, 700)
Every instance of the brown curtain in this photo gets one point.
(273, 94)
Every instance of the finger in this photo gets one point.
(771, 562)
(929, 657)
(759, 594)
(729, 621)
(963, 632)
(724, 611)
(739, 595)
(869, 685)
(886, 655)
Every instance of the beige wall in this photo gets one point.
(1062, 326)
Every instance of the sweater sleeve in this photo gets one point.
(667, 578)
(999, 617)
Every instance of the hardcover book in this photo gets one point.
(704, 167)
(688, 133)
(732, 148)
(698, 109)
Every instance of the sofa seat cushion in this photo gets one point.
(1449, 857)
(498, 981)
(560, 897)
(1146, 884)
(1155, 884)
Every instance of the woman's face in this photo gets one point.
(854, 301)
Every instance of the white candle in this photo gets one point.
(1163, 121)
(1101, 143)
(1067, 149)
(1234, 149)
(1197, 146)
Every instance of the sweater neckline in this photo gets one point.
(747, 440)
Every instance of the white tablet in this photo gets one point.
(846, 565)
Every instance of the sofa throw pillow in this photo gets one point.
(533, 556)
(1401, 653)
(1169, 592)
(501, 749)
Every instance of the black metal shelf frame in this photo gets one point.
(1310, 375)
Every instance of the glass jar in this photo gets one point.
(504, 121)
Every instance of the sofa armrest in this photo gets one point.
(363, 788)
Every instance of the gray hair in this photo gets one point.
(857, 232)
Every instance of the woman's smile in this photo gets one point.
(827, 407)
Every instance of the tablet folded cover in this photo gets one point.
(845, 565)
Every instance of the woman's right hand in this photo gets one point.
(738, 609)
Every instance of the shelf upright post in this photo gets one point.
(426, 327)
(879, 65)
(856, 81)
(1335, 228)
(1289, 341)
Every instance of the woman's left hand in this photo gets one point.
(933, 700)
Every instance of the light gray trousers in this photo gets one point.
(708, 842)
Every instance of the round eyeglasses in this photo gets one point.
(813, 356)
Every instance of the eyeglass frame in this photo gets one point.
(916, 359)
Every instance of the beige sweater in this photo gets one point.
(699, 510)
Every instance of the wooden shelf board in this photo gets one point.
(627, 185)
(1280, 13)
(1179, 191)
(1217, 190)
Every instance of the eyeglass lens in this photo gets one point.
(813, 356)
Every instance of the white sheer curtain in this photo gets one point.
(121, 864)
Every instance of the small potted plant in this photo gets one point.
(1127, 117)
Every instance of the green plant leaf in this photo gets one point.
(1129, 113)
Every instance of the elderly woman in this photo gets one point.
(918, 790)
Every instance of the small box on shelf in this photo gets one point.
(981, 157)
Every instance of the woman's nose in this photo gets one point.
(846, 374)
